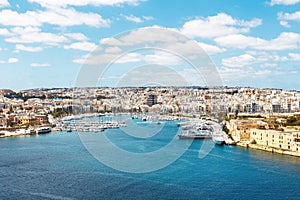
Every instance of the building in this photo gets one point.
(248, 107)
(280, 139)
(276, 108)
(41, 119)
(289, 107)
(2, 121)
(151, 100)
(26, 120)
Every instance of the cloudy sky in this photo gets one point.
(251, 42)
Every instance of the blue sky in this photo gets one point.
(252, 43)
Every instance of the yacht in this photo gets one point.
(42, 130)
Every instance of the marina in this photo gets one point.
(190, 128)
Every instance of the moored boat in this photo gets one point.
(194, 135)
(43, 130)
(218, 139)
(230, 142)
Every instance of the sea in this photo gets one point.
(59, 165)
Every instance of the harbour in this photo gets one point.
(42, 164)
(145, 99)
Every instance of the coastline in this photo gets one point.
(268, 149)
(57, 125)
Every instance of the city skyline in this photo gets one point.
(252, 44)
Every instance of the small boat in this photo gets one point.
(230, 142)
(30, 131)
(218, 139)
(182, 123)
(134, 117)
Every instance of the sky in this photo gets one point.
(251, 43)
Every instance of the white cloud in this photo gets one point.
(83, 46)
(129, 58)
(219, 25)
(284, 24)
(21, 47)
(146, 35)
(113, 50)
(4, 3)
(2, 61)
(71, 17)
(81, 60)
(239, 41)
(40, 65)
(34, 35)
(160, 58)
(157, 57)
(147, 18)
(13, 18)
(252, 59)
(159, 38)
(58, 16)
(60, 3)
(294, 56)
(266, 56)
(285, 41)
(4, 32)
(163, 58)
(133, 18)
(284, 17)
(211, 49)
(284, 2)
(238, 61)
(137, 19)
(289, 16)
(246, 74)
(263, 72)
(229, 74)
(77, 36)
(13, 60)
(272, 65)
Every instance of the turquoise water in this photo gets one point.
(57, 166)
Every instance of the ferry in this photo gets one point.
(43, 130)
